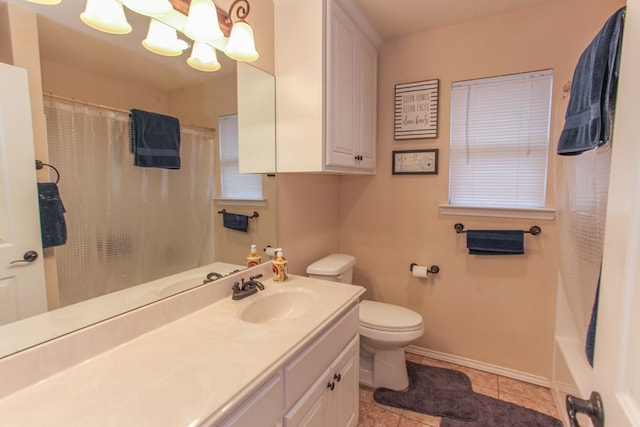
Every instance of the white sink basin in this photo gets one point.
(279, 306)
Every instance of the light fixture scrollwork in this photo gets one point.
(200, 20)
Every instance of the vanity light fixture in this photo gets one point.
(241, 45)
(203, 57)
(163, 40)
(200, 20)
(106, 15)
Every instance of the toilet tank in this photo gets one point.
(334, 267)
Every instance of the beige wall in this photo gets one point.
(308, 218)
(494, 310)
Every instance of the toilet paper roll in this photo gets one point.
(270, 251)
(420, 271)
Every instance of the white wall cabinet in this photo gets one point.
(317, 387)
(326, 88)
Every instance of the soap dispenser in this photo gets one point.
(279, 267)
(253, 258)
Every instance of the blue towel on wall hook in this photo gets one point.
(53, 226)
(495, 242)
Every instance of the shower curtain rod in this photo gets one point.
(188, 126)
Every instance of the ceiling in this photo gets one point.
(64, 38)
(394, 18)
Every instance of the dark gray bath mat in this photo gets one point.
(434, 391)
(498, 413)
(447, 393)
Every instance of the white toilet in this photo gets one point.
(385, 329)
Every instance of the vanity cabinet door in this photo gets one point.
(311, 409)
(343, 399)
(333, 400)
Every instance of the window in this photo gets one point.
(234, 185)
(500, 141)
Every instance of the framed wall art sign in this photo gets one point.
(423, 162)
(416, 110)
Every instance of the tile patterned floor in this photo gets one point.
(531, 396)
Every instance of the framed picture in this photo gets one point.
(422, 162)
(416, 110)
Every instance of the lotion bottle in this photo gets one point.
(279, 267)
(253, 258)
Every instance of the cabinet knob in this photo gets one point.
(331, 385)
(337, 377)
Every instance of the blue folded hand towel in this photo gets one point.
(495, 242)
(235, 221)
(593, 91)
(155, 140)
(53, 226)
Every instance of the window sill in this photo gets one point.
(240, 202)
(527, 213)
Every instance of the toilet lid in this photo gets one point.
(388, 317)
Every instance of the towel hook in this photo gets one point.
(40, 164)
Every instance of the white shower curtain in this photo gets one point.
(581, 194)
(126, 225)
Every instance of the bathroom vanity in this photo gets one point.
(286, 356)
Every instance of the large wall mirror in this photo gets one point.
(83, 68)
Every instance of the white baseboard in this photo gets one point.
(481, 366)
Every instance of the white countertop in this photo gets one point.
(183, 372)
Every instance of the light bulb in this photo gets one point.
(241, 45)
(203, 57)
(162, 39)
(106, 15)
(202, 23)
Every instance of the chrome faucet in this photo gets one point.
(244, 289)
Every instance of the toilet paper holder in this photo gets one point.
(434, 269)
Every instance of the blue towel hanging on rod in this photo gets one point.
(155, 140)
(495, 242)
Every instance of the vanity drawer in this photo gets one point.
(301, 373)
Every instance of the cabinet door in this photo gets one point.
(367, 80)
(342, 115)
(352, 83)
(343, 400)
(311, 409)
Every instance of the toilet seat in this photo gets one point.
(384, 317)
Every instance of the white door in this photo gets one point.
(617, 355)
(22, 284)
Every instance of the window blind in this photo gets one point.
(500, 141)
(233, 184)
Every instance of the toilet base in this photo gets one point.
(384, 368)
